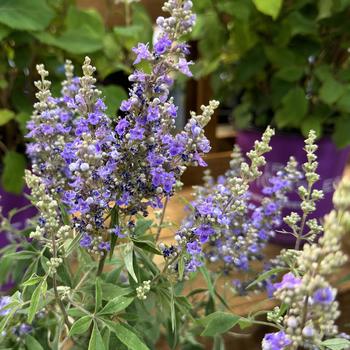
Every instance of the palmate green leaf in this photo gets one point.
(84, 32)
(96, 341)
(312, 123)
(5, 116)
(22, 118)
(290, 73)
(238, 9)
(281, 57)
(4, 32)
(269, 7)
(218, 323)
(32, 15)
(344, 101)
(13, 173)
(324, 8)
(294, 108)
(116, 305)
(80, 326)
(300, 24)
(128, 255)
(336, 344)
(331, 91)
(141, 17)
(32, 343)
(342, 131)
(126, 336)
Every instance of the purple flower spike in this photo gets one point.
(194, 248)
(289, 281)
(142, 53)
(183, 67)
(4, 301)
(276, 341)
(86, 241)
(162, 45)
(324, 296)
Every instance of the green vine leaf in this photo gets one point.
(13, 173)
(269, 7)
(5, 116)
(33, 15)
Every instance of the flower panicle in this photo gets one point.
(314, 310)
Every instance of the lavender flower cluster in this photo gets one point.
(224, 225)
(312, 308)
(93, 163)
(233, 237)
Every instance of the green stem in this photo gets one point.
(162, 219)
(305, 214)
(54, 282)
(101, 264)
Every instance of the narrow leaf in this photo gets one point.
(80, 326)
(96, 341)
(32, 281)
(207, 278)
(336, 343)
(142, 226)
(34, 302)
(32, 343)
(269, 7)
(98, 294)
(116, 305)
(266, 275)
(126, 336)
(72, 245)
(13, 172)
(220, 322)
(128, 255)
(147, 245)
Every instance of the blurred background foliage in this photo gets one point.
(279, 62)
(50, 31)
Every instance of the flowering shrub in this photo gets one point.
(89, 278)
